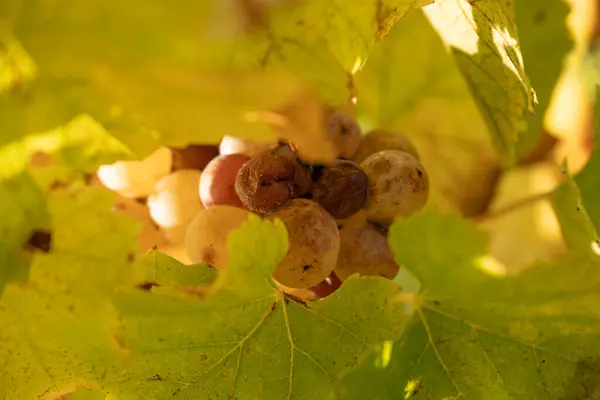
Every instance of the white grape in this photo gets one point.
(250, 148)
(314, 244)
(364, 250)
(175, 200)
(136, 178)
(379, 140)
(398, 186)
(206, 236)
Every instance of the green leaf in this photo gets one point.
(428, 100)
(190, 87)
(588, 181)
(87, 394)
(217, 342)
(532, 336)
(166, 270)
(58, 327)
(545, 42)
(22, 210)
(482, 36)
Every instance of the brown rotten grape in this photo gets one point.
(398, 186)
(268, 181)
(364, 250)
(314, 244)
(206, 236)
(379, 140)
(341, 189)
(344, 132)
(217, 183)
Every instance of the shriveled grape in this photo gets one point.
(193, 156)
(217, 184)
(268, 181)
(379, 139)
(345, 133)
(136, 178)
(313, 244)
(341, 189)
(250, 148)
(364, 250)
(175, 200)
(398, 185)
(206, 236)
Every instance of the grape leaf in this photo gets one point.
(243, 338)
(533, 336)
(171, 77)
(22, 211)
(588, 181)
(545, 42)
(428, 100)
(166, 270)
(482, 37)
(57, 328)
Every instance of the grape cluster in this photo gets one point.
(336, 215)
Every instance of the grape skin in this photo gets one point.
(150, 235)
(327, 287)
(398, 186)
(378, 140)
(206, 236)
(313, 244)
(249, 148)
(137, 178)
(193, 156)
(344, 132)
(175, 200)
(364, 250)
(217, 184)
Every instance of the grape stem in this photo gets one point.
(512, 207)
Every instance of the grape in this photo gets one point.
(379, 140)
(341, 189)
(176, 251)
(193, 156)
(217, 184)
(250, 148)
(175, 235)
(328, 286)
(136, 178)
(150, 235)
(364, 250)
(268, 181)
(206, 236)
(344, 132)
(314, 243)
(175, 200)
(398, 185)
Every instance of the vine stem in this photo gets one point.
(513, 207)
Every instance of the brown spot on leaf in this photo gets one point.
(40, 240)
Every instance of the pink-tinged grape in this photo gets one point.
(136, 178)
(378, 140)
(314, 244)
(217, 184)
(364, 250)
(206, 236)
(398, 186)
(268, 181)
(175, 200)
(328, 286)
(341, 189)
(193, 156)
(249, 148)
(344, 132)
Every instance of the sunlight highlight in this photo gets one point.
(490, 266)
(385, 355)
(596, 247)
(358, 64)
(503, 40)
